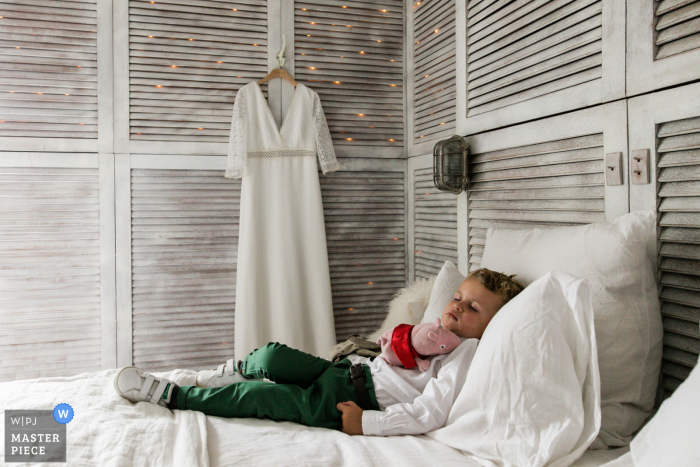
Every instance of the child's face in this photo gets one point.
(471, 309)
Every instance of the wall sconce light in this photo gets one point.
(450, 164)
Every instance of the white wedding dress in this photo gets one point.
(283, 288)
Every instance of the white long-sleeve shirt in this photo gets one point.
(415, 402)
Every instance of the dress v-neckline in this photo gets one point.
(272, 117)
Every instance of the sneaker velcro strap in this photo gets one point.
(143, 393)
(230, 367)
(158, 393)
(220, 370)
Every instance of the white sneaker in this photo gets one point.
(136, 385)
(225, 374)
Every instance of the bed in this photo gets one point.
(110, 431)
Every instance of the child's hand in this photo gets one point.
(352, 417)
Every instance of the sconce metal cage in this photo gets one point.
(450, 164)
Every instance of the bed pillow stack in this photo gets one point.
(612, 257)
(532, 394)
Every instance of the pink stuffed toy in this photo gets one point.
(408, 346)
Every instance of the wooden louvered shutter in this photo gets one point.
(663, 44)
(48, 70)
(434, 223)
(351, 54)
(528, 59)
(364, 216)
(545, 173)
(434, 70)
(50, 280)
(187, 60)
(553, 183)
(670, 122)
(679, 237)
(677, 27)
(184, 237)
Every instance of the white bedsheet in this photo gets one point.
(266, 443)
(110, 431)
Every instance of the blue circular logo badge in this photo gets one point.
(63, 413)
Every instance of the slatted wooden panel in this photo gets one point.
(677, 27)
(364, 216)
(554, 183)
(48, 69)
(435, 225)
(50, 278)
(184, 250)
(187, 60)
(351, 54)
(435, 72)
(518, 50)
(679, 243)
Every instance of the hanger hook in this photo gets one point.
(280, 54)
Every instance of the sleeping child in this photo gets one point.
(375, 398)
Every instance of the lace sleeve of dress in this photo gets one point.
(237, 144)
(324, 145)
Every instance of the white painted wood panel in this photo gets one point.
(663, 44)
(434, 223)
(545, 173)
(187, 60)
(49, 75)
(668, 124)
(527, 60)
(184, 232)
(351, 54)
(434, 70)
(364, 210)
(52, 302)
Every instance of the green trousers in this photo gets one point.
(305, 390)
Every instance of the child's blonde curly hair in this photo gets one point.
(505, 286)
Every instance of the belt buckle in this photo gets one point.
(356, 371)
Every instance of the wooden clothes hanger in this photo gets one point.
(279, 72)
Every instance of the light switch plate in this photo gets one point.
(613, 168)
(639, 167)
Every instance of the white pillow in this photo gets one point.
(612, 257)
(532, 394)
(671, 436)
(446, 284)
(407, 306)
